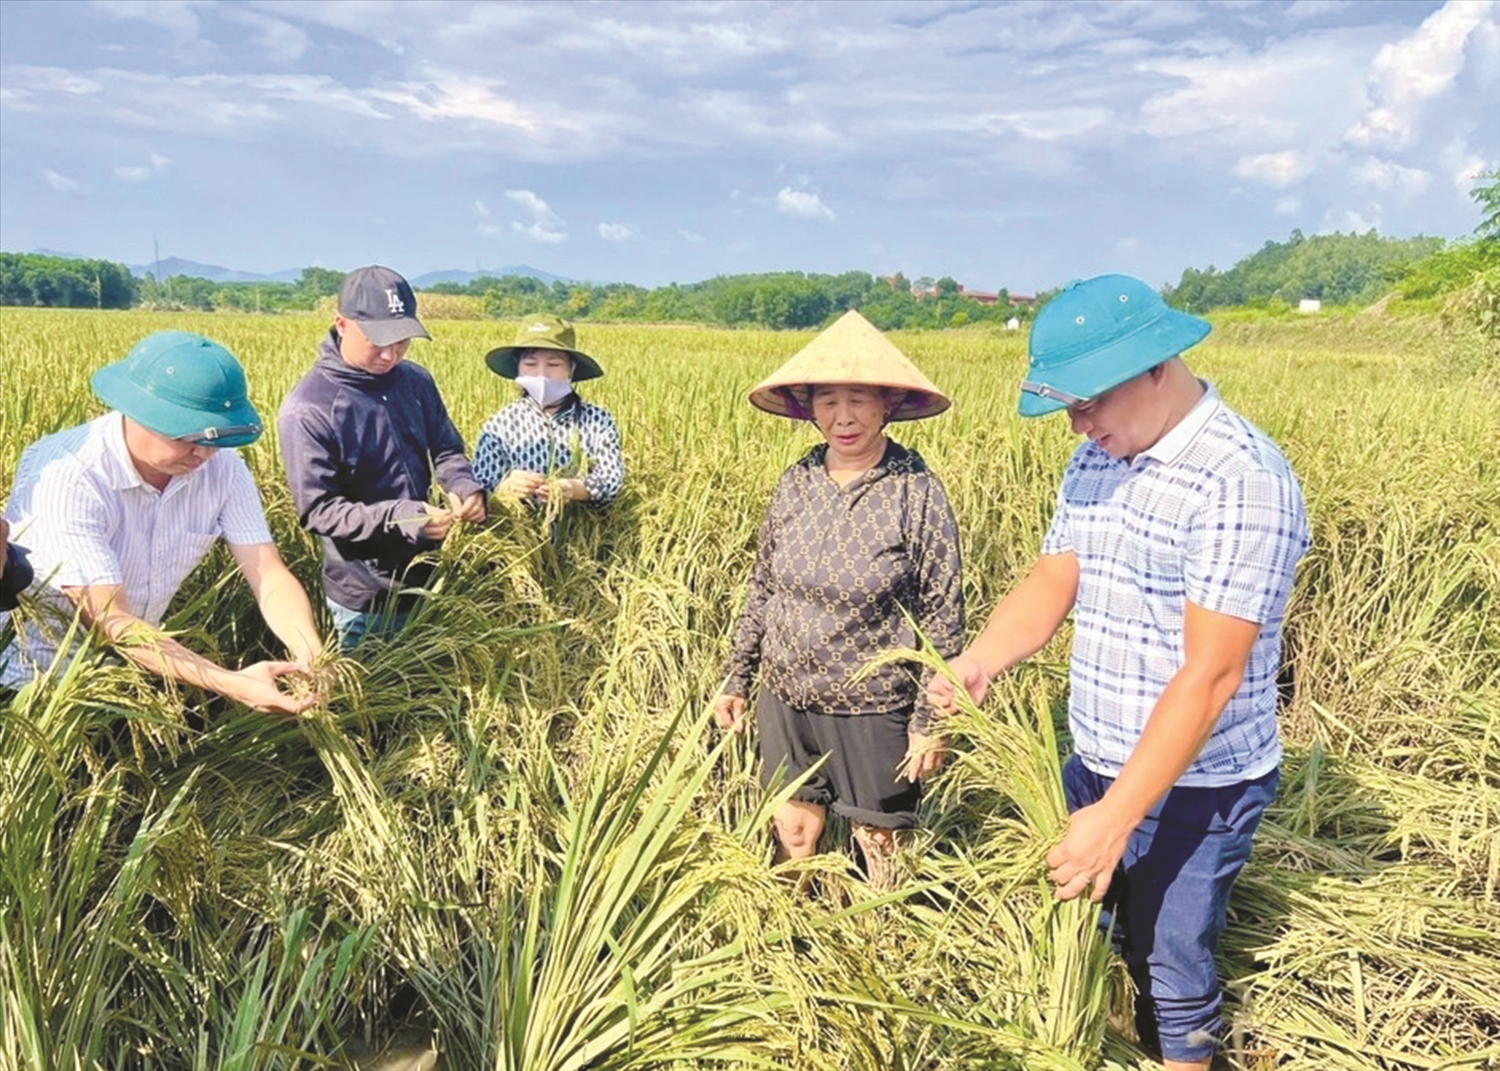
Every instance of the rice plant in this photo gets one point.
(512, 831)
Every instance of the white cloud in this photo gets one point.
(1469, 171)
(1288, 206)
(1300, 10)
(802, 204)
(1407, 74)
(482, 210)
(175, 16)
(1052, 124)
(1274, 168)
(280, 40)
(545, 227)
(1389, 175)
(1251, 98)
(140, 172)
(60, 183)
(616, 232)
(449, 95)
(691, 237)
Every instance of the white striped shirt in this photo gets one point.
(81, 508)
(1211, 513)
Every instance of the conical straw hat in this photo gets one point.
(850, 351)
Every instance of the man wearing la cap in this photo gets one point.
(363, 434)
(117, 512)
(1177, 531)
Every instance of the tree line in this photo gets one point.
(1338, 269)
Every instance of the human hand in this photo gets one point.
(438, 522)
(925, 755)
(521, 483)
(258, 686)
(729, 712)
(940, 693)
(568, 490)
(469, 509)
(1089, 852)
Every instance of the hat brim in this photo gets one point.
(116, 390)
(505, 361)
(1101, 369)
(917, 405)
(390, 332)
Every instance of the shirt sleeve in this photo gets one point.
(310, 452)
(601, 445)
(1059, 537)
(492, 461)
(744, 658)
(1244, 545)
(940, 573)
(940, 589)
(73, 522)
(243, 519)
(450, 464)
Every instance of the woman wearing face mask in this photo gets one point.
(859, 543)
(549, 441)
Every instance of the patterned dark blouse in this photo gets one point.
(835, 570)
(579, 439)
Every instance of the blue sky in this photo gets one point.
(1011, 144)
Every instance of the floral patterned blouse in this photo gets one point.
(838, 571)
(579, 440)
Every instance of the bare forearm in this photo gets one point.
(1180, 725)
(288, 613)
(1027, 618)
(156, 652)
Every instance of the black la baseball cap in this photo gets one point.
(383, 305)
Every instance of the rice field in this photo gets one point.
(516, 833)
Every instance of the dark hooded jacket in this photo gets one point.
(361, 452)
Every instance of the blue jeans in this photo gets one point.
(353, 626)
(1169, 897)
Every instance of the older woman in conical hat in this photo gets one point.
(859, 542)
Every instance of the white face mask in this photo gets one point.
(545, 391)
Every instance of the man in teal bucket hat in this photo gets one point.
(118, 511)
(1177, 531)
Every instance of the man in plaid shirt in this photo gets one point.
(1177, 531)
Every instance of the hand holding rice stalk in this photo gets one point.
(1013, 751)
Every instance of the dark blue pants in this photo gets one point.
(1168, 899)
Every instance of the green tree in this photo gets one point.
(1487, 195)
(320, 282)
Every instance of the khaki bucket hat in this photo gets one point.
(543, 331)
(852, 351)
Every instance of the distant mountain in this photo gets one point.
(170, 266)
(463, 278)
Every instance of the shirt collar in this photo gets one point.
(120, 470)
(1170, 446)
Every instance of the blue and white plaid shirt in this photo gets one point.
(1211, 513)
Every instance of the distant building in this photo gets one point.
(981, 296)
(1308, 304)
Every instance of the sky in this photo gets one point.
(1014, 145)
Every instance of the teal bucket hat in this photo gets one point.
(183, 386)
(1096, 334)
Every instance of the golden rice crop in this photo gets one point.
(514, 829)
